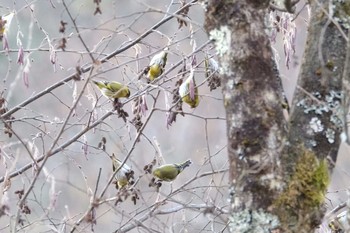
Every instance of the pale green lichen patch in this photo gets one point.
(306, 189)
(316, 124)
(310, 105)
(320, 105)
(312, 143)
(230, 84)
(256, 221)
(341, 12)
(273, 181)
(330, 135)
(222, 40)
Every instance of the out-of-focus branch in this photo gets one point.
(89, 127)
(153, 209)
(346, 91)
(88, 67)
(132, 147)
(60, 148)
(78, 33)
(20, 139)
(48, 154)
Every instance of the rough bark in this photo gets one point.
(254, 103)
(278, 178)
(315, 123)
(315, 118)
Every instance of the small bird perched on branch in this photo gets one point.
(113, 89)
(168, 172)
(188, 91)
(123, 175)
(157, 64)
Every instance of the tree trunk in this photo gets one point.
(279, 170)
(315, 123)
(253, 99)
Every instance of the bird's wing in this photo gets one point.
(114, 86)
(183, 89)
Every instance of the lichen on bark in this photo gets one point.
(278, 169)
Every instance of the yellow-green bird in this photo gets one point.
(123, 174)
(168, 172)
(157, 64)
(188, 91)
(112, 89)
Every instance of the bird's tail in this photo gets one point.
(185, 164)
(99, 84)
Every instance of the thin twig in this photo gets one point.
(132, 147)
(78, 33)
(48, 154)
(152, 212)
(87, 68)
(89, 127)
